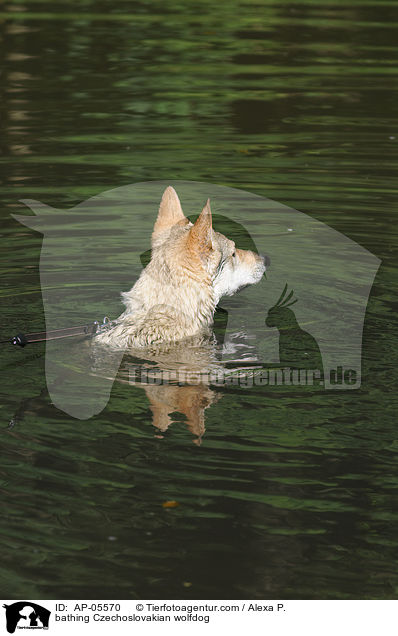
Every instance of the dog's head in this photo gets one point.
(200, 251)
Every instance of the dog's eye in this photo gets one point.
(233, 255)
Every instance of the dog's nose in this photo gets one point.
(266, 259)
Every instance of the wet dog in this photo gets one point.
(192, 266)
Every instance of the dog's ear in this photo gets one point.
(170, 212)
(200, 235)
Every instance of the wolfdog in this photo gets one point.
(191, 268)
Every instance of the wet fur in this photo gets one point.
(191, 268)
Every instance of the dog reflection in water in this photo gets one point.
(297, 348)
(190, 401)
(175, 380)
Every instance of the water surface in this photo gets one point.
(290, 494)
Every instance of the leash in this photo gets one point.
(22, 339)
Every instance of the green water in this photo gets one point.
(290, 494)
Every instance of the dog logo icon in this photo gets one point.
(26, 615)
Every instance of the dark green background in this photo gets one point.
(291, 495)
